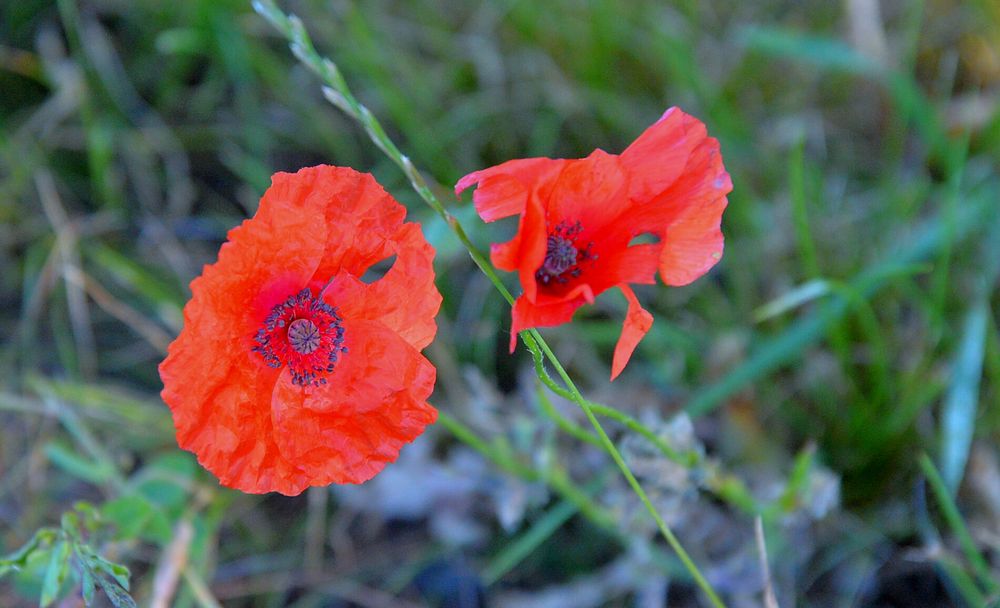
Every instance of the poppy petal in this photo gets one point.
(591, 191)
(693, 242)
(256, 261)
(635, 264)
(232, 435)
(527, 314)
(657, 157)
(504, 190)
(374, 403)
(387, 299)
(364, 217)
(533, 241)
(530, 236)
(637, 324)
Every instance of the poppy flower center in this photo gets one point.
(562, 255)
(304, 333)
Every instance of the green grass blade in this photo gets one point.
(800, 211)
(957, 524)
(792, 299)
(825, 53)
(958, 419)
(962, 583)
(515, 552)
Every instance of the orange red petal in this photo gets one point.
(591, 190)
(659, 156)
(375, 402)
(505, 189)
(526, 314)
(636, 326)
(387, 299)
(693, 241)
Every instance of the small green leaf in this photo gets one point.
(95, 567)
(56, 573)
(166, 481)
(118, 571)
(807, 292)
(958, 417)
(19, 558)
(88, 586)
(957, 524)
(70, 523)
(134, 516)
(118, 596)
(91, 516)
(185, 41)
(799, 478)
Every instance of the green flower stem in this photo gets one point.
(629, 422)
(688, 459)
(567, 425)
(626, 471)
(339, 93)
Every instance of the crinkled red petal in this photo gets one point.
(374, 402)
(635, 264)
(390, 300)
(531, 251)
(592, 191)
(362, 216)
(504, 190)
(527, 248)
(658, 157)
(692, 241)
(233, 435)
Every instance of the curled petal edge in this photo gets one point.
(634, 329)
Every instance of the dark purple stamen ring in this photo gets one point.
(304, 333)
(562, 254)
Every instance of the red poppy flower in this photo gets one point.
(579, 219)
(290, 370)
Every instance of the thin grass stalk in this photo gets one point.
(957, 524)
